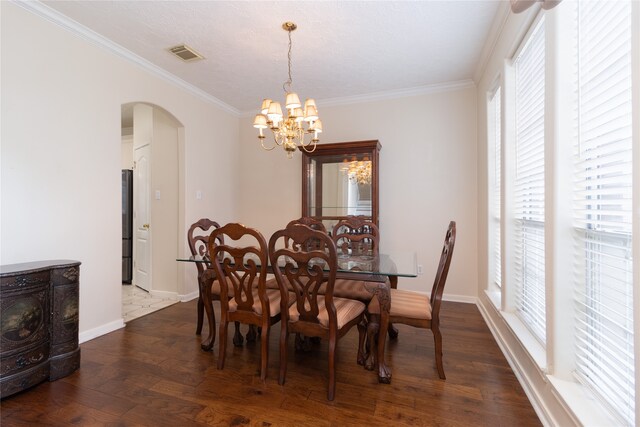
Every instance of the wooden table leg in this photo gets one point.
(370, 355)
(384, 373)
(392, 330)
(376, 330)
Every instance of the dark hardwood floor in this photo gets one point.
(153, 373)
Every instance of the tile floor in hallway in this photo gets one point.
(137, 302)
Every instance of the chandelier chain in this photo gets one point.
(289, 81)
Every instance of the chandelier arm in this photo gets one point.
(265, 148)
(280, 138)
(304, 147)
(307, 144)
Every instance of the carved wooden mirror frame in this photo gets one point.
(342, 153)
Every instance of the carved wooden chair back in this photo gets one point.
(198, 239)
(309, 264)
(443, 271)
(241, 265)
(310, 222)
(418, 310)
(356, 235)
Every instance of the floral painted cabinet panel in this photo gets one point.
(38, 323)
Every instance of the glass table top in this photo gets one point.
(400, 264)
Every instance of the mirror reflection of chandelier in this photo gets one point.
(289, 130)
(360, 171)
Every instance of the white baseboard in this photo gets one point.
(459, 298)
(164, 295)
(100, 330)
(188, 297)
(174, 296)
(114, 326)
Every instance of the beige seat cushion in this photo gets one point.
(351, 289)
(215, 288)
(273, 283)
(274, 302)
(410, 304)
(346, 310)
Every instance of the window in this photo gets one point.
(493, 127)
(529, 265)
(603, 205)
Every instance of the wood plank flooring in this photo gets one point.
(153, 373)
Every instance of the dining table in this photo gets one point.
(366, 277)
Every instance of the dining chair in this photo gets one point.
(356, 235)
(198, 238)
(422, 311)
(304, 343)
(242, 271)
(310, 222)
(316, 311)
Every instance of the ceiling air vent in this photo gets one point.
(185, 53)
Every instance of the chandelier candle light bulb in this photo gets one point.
(289, 132)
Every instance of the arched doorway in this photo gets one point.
(151, 144)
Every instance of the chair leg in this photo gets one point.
(222, 346)
(284, 338)
(264, 352)
(302, 343)
(237, 336)
(362, 336)
(331, 393)
(251, 334)
(211, 323)
(200, 316)
(392, 331)
(437, 337)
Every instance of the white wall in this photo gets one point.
(61, 156)
(427, 178)
(127, 152)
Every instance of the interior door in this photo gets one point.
(142, 217)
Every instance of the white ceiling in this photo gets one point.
(341, 49)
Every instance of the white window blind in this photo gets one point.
(603, 210)
(494, 202)
(529, 183)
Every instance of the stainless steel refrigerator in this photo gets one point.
(127, 225)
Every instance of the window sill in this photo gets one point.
(580, 402)
(535, 350)
(495, 297)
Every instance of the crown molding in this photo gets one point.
(51, 15)
(497, 26)
(390, 94)
(400, 93)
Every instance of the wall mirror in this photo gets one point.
(341, 179)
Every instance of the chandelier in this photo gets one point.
(289, 130)
(360, 171)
